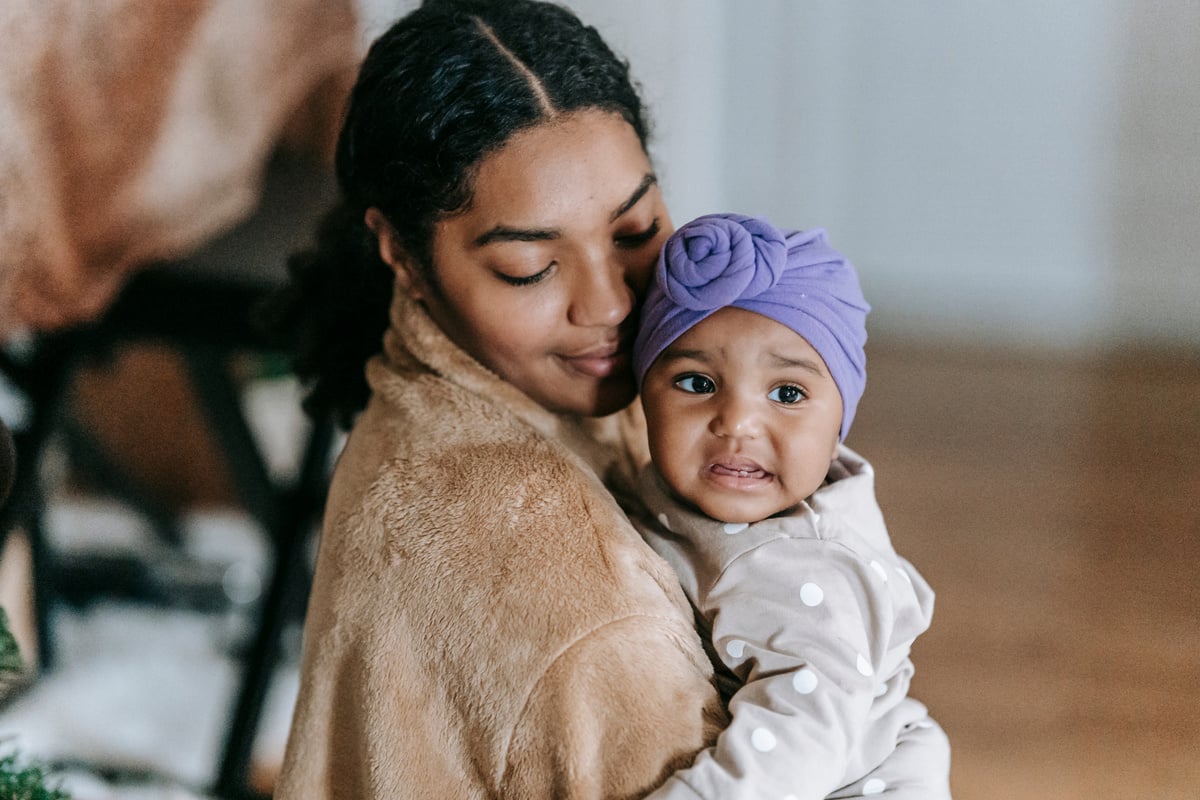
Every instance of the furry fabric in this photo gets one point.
(485, 622)
(133, 130)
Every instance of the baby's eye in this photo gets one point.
(787, 394)
(696, 384)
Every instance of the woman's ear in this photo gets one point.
(394, 255)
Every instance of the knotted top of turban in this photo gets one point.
(796, 279)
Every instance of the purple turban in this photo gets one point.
(796, 279)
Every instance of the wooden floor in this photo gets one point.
(1054, 505)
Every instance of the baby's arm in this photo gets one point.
(806, 624)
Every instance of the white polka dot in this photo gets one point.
(666, 523)
(735, 648)
(763, 740)
(864, 666)
(804, 681)
(874, 786)
(736, 527)
(811, 595)
(879, 570)
(881, 690)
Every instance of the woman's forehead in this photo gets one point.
(584, 163)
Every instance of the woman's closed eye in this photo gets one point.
(787, 394)
(526, 280)
(631, 241)
(696, 384)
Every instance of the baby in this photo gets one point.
(751, 364)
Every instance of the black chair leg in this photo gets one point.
(220, 399)
(114, 480)
(44, 382)
(287, 593)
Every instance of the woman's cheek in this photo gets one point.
(639, 275)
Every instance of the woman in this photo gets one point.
(484, 621)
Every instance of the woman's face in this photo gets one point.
(540, 278)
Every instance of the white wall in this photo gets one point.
(1155, 207)
(1022, 172)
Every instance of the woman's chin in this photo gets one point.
(600, 398)
(615, 393)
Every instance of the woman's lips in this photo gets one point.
(599, 363)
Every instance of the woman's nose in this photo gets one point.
(737, 417)
(601, 296)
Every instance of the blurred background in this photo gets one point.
(1018, 186)
(1023, 174)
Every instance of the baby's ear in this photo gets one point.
(394, 254)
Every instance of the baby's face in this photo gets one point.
(743, 416)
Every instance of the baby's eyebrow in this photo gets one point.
(784, 362)
(679, 354)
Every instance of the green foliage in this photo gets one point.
(10, 655)
(19, 781)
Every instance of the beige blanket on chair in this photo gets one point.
(133, 130)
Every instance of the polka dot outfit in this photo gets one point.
(814, 615)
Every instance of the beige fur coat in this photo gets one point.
(485, 622)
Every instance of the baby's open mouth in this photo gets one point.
(739, 470)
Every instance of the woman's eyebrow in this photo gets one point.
(504, 233)
(647, 181)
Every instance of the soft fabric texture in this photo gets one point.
(797, 279)
(485, 622)
(812, 616)
(134, 130)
